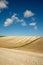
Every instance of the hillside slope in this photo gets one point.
(35, 46)
(18, 57)
(13, 41)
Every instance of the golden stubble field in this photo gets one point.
(21, 50)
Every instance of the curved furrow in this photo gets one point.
(20, 41)
(27, 43)
(11, 42)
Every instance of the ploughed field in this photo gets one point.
(21, 50)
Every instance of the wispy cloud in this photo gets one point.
(0, 11)
(35, 27)
(32, 24)
(28, 13)
(23, 24)
(3, 4)
(14, 18)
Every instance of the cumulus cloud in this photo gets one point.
(13, 18)
(28, 13)
(9, 20)
(3, 4)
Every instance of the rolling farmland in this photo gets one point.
(21, 50)
(16, 41)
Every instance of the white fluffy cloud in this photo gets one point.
(9, 20)
(3, 4)
(13, 18)
(28, 13)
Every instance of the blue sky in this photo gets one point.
(21, 17)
